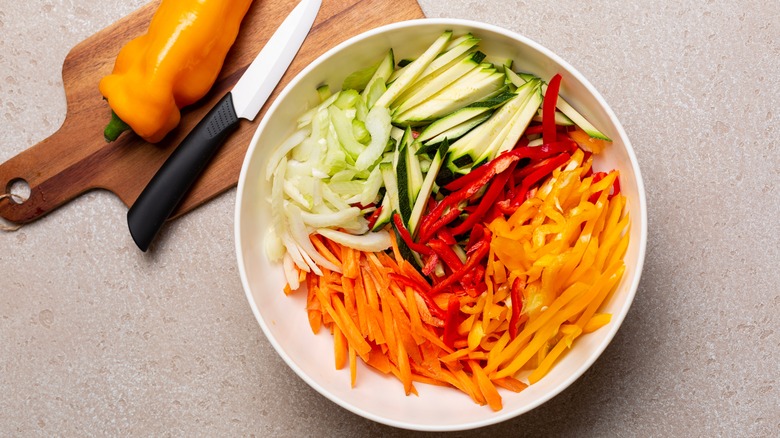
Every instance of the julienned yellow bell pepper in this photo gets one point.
(172, 65)
(565, 247)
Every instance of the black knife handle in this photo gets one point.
(169, 185)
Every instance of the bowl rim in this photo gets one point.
(617, 318)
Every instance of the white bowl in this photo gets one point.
(283, 319)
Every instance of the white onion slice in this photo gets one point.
(301, 236)
(294, 252)
(371, 242)
(290, 274)
(294, 140)
(337, 219)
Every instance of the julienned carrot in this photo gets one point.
(339, 348)
(377, 310)
(573, 234)
(511, 384)
(488, 388)
(314, 310)
(416, 327)
(352, 366)
(404, 368)
(323, 249)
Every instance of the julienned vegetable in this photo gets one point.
(172, 65)
(534, 302)
(449, 227)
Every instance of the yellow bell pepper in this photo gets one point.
(172, 65)
(565, 245)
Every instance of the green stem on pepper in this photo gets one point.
(114, 128)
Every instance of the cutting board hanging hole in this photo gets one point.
(16, 199)
(18, 191)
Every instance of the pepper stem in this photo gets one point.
(114, 127)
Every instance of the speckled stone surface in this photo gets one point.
(99, 339)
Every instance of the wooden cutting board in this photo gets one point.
(76, 159)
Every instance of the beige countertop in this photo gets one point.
(97, 338)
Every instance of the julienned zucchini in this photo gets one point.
(385, 215)
(459, 122)
(476, 85)
(425, 88)
(560, 118)
(406, 252)
(486, 139)
(427, 187)
(377, 85)
(573, 116)
(458, 130)
(457, 48)
(454, 48)
(412, 192)
(391, 185)
(413, 70)
(512, 132)
(408, 175)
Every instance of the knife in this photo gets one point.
(169, 185)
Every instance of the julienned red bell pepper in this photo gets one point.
(519, 193)
(481, 249)
(598, 176)
(548, 150)
(473, 282)
(361, 206)
(437, 217)
(430, 264)
(531, 179)
(523, 142)
(452, 321)
(516, 294)
(615, 187)
(467, 179)
(477, 234)
(470, 184)
(535, 153)
(548, 109)
(429, 227)
(374, 216)
(445, 235)
(446, 254)
(407, 238)
(487, 201)
(475, 276)
(484, 173)
(536, 129)
(521, 174)
(614, 190)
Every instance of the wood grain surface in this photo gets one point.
(76, 159)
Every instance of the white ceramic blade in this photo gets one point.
(262, 75)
